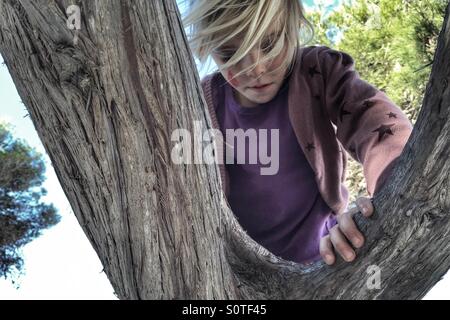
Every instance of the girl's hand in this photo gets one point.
(343, 231)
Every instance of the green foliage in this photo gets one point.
(393, 44)
(22, 215)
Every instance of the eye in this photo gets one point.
(268, 46)
(225, 58)
(225, 55)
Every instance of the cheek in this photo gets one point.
(280, 60)
(234, 82)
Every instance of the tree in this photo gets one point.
(104, 109)
(22, 215)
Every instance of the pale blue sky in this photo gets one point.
(61, 264)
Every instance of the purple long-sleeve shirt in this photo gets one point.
(284, 212)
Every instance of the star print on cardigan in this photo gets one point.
(367, 104)
(391, 115)
(310, 146)
(383, 130)
(313, 71)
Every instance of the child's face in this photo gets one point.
(256, 86)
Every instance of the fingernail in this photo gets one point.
(349, 256)
(358, 242)
(328, 259)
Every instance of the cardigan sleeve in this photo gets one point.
(369, 125)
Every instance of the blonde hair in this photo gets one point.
(212, 23)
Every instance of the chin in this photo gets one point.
(263, 99)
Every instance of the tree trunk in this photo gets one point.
(105, 106)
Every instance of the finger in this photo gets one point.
(326, 250)
(351, 210)
(341, 245)
(365, 206)
(350, 230)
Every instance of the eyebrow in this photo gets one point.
(231, 47)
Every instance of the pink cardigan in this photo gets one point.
(331, 109)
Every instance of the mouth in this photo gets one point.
(260, 87)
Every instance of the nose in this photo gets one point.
(251, 59)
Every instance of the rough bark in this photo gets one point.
(105, 108)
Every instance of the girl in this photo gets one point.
(268, 79)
